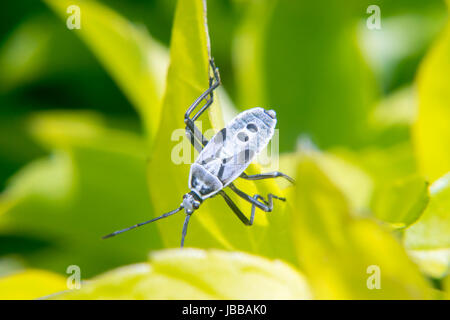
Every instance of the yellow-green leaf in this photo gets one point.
(446, 282)
(429, 238)
(214, 224)
(187, 78)
(432, 130)
(31, 284)
(345, 257)
(402, 201)
(354, 182)
(197, 274)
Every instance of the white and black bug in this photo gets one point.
(224, 159)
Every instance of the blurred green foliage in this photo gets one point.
(86, 135)
(326, 234)
(177, 274)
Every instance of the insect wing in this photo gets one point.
(234, 147)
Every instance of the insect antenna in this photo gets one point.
(143, 223)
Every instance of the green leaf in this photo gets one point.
(249, 44)
(429, 238)
(15, 153)
(393, 116)
(31, 284)
(402, 201)
(432, 131)
(214, 225)
(197, 274)
(383, 164)
(91, 184)
(187, 79)
(353, 181)
(391, 170)
(396, 199)
(135, 61)
(337, 251)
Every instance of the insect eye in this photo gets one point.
(252, 127)
(242, 136)
(196, 204)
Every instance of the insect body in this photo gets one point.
(231, 151)
(224, 159)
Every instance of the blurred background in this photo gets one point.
(334, 83)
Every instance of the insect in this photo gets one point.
(224, 159)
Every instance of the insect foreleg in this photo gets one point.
(184, 232)
(204, 101)
(267, 175)
(197, 145)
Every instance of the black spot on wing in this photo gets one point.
(245, 156)
(252, 127)
(242, 136)
(221, 171)
(207, 160)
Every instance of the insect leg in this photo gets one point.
(267, 175)
(236, 209)
(269, 203)
(207, 99)
(247, 197)
(197, 145)
(238, 212)
(184, 232)
(264, 205)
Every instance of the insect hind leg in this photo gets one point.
(268, 202)
(268, 175)
(204, 101)
(265, 205)
(236, 209)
